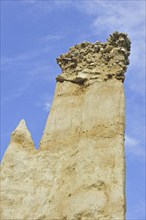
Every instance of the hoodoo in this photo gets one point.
(78, 173)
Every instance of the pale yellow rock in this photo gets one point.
(79, 170)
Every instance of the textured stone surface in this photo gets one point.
(79, 170)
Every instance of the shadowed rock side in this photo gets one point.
(79, 170)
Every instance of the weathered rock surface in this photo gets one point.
(79, 170)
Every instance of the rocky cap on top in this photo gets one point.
(96, 61)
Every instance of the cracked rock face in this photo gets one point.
(78, 173)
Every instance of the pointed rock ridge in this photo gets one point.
(87, 62)
(22, 125)
(22, 136)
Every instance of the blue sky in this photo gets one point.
(34, 34)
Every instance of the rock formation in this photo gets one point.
(79, 170)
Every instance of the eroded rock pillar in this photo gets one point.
(80, 165)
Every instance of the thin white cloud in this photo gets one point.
(23, 58)
(47, 106)
(41, 71)
(35, 72)
(130, 141)
(133, 147)
(31, 2)
(18, 92)
(117, 16)
(41, 4)
(11, 98)
(44, 101)
(37, 7)
(50, 37)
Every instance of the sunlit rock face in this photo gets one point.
(78, 173)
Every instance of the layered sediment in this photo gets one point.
(79, 170)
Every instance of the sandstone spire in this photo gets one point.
(79, 170)
(22, 136)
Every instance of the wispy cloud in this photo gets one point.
(37, 7)
(44, 101)
(47, 106)
(133, 147)
(34, 73)
(49, 4)
(130, 141)
(21, 59)
(11, 98)
(50, 37)
(17, 92)
(117, 17)
(31, 66)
